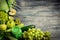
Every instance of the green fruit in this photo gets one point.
(17, 21)
(3, 27)
(11, 18)
(47, 33)
(21, 25)
(3, 17)
(10, 24)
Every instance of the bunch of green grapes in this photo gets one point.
(3, 16)
(33, 34)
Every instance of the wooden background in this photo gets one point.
(45, 15)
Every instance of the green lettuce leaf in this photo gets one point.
(3, 6)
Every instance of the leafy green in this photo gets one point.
(3, 6)
(11, 3)
(17, 32)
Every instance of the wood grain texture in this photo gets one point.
(44, 17)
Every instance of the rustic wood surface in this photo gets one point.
(44, 16)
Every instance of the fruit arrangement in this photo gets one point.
(14, 29)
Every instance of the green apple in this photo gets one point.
(3, 27)
(10, 24)
(21, 25)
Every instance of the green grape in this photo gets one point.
(38, 30)
(46, 38)
(47, 33)
(30, 37)
(29, 30)
(31, 33)
(41, 33)
(35, 36)
(39, 38)
(36, 33)
(28, 34)
(24, 32)
(33, 29)
(24, 35)
(3, 16)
